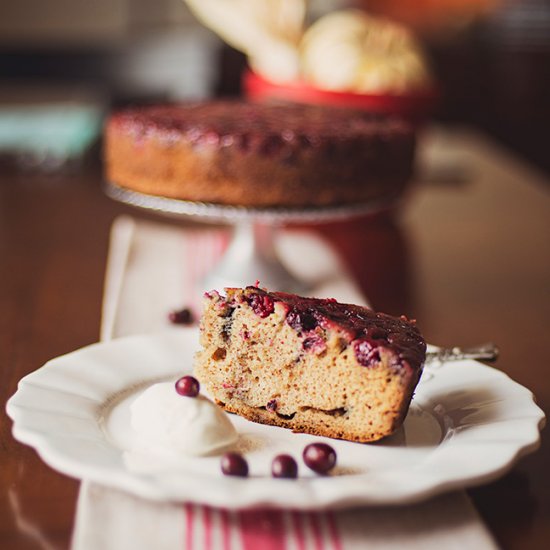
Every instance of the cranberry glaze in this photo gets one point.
(260, 154)
(268, 129)
(364, 330)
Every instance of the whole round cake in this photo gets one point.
(259, 155)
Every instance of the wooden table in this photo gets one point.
(468, 255)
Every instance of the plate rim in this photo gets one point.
(313, 490)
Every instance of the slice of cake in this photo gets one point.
(312, 365)
(259, 155)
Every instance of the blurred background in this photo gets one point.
(64, 64)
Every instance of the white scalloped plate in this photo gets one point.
(468, 424)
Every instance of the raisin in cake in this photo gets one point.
(312, 365)
(258, 155)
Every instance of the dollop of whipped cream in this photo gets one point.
(168, 423)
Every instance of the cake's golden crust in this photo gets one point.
(318, 423)
(151, 154)
(257, 367)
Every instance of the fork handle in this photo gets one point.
(486, 352)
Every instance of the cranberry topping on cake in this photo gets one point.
(261, 303)
(365, 330)
(265, 129)
(259, 154)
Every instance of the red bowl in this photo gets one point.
(415, 106)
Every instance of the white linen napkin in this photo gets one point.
(153, 269)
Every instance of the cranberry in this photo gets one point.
(366, 351)
(301, 321)
(271, 405)
(315, 344)
(284, 466)
(188, 386)
(261, 304)
(181, 317)
(234, 464)
(244, 143)
(319, 457)
(375, 333)
(271, 145)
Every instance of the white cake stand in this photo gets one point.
(251, 254)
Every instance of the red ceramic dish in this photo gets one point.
(416, 106)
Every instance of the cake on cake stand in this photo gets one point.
(251, 254)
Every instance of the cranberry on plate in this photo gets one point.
(284, 466)
(319, 457)
(234, 464)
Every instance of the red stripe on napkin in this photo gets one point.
(207, 520)
(297, 518)
(334, 534)
(262, 529)
(314, 520)
(189, 513)
(226, 530)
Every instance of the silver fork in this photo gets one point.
(485, 352)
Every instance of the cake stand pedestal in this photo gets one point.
(251, 255)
